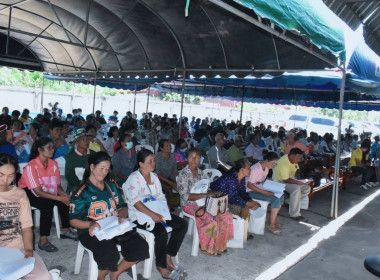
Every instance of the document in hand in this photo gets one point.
(13, 265)
(274, 187)
(157, 206)
(305, 181)
(200, 187)
(110, 228)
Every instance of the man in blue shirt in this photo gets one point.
(374, 147)
(61, 148)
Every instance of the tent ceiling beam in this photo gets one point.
(59, 20)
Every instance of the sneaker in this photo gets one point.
(368, 185)
(69, 234)
(364, 187)
(300, 219)
(373, 184)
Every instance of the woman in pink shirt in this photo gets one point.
(259, 173)
(41, 181)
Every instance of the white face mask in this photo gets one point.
(158, 128)
(69, 120)
(183, 150)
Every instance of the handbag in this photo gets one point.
(214, 205)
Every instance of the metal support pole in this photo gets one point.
(42, 94)
(242, 103)
(9, 32)
(334, 199)
(93, 102)
(147, 100)
(182, 98)
(134, 102)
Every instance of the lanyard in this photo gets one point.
(151, 196)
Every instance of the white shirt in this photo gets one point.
(256, 152)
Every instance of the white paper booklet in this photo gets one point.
(275, 187)
(158, 206)
(13, 265)
(200, 187)
(110, 228)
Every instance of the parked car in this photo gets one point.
(320, 125)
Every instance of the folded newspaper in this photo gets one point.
(13, 265)
(110, 228)
(275, 187)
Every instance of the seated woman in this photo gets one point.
(124, 159)
(41, 182)
(94, 201)
(109, 144)
(259, 173)
(234, 184)
(166, 169)
(24, 144)
(17, 219)
(214, 232)
(95, 144)
(144, 184)
(180, 153)
(16, 133)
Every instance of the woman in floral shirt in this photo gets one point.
(214, 232)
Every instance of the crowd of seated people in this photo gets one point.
(246, 155)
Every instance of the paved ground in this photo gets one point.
(340, 257)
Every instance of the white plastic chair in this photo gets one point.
(22, 166)
(140, 147)
(192, 230)
(191, 142)
(148, 263)
(92, 265)
(37, 215)
(212, 174)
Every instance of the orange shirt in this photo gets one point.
(299, 145)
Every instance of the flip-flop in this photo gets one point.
(278, 225)
(48, 247)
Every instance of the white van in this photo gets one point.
(320, 125)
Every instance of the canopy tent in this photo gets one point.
(154, 38)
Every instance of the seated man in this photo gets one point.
(253, 152)
(77, 157)
(292, 142)
(234, 152)
(60, 146)
(359, 163)
(284, 172)
(218, 155)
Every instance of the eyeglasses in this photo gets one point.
(48, 147)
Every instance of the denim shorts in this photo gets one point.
(274, 201)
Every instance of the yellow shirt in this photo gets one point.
(357, 154)
(284, 169)
(95, 147)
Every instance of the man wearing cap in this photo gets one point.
(5, 146)
(77, 157)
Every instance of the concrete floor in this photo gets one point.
(340, 257)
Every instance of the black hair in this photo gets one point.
(55, 123)
(94, 159)
(16, 113)
(42, 141)
(111, 131)
(270, 156)
(141, 157)
(179, 143)
(161, 144)
(36, 127)
(366, 144)
(295, 151)
(89, 127)
(121, 139)
(8, 159)
(194, 150)
(239, 164)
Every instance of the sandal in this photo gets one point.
(274, 230)
(180, 269)
(211, 254)
(278, 225)
(48, 247)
